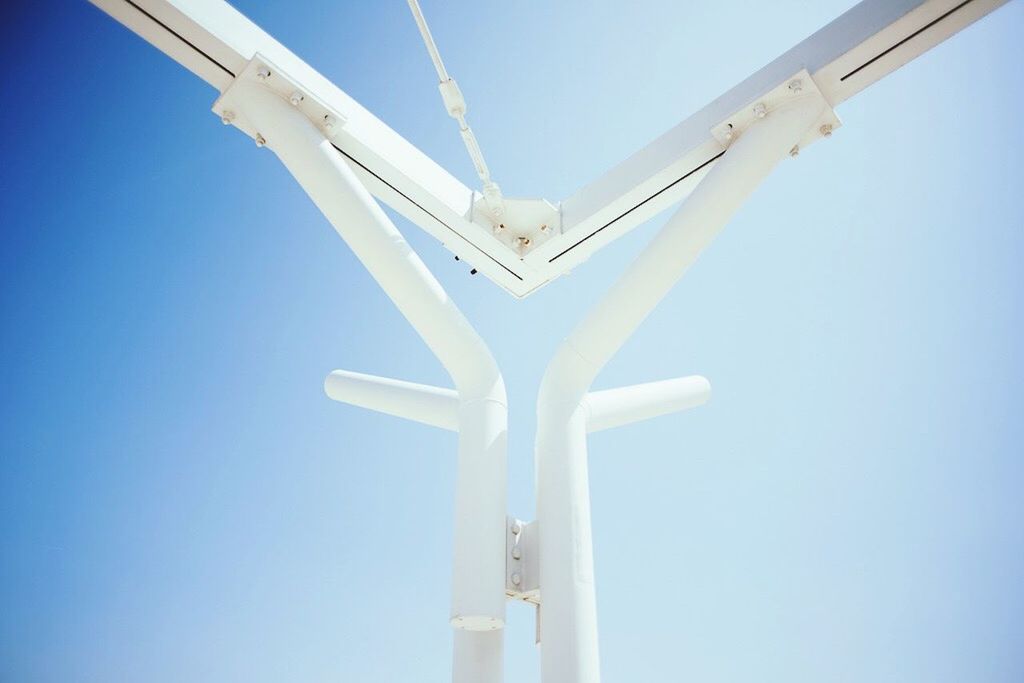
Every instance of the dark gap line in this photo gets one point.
(182, 39)
(629, 211)
(421, 208)
(910, 37)
(341, 151)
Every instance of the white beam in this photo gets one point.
(216, 42)
(870, 41)
(478, 582)
(875, 37)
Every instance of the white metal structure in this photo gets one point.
(343, 156)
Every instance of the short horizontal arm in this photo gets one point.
(434, 406)
(617, 407)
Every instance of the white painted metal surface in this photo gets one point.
(568, 617)
(340, 153)
(874, 38)
(624, 405)
(479, 564)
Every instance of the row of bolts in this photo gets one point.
(296, 99)
(760, 111)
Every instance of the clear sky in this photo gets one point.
(180, 502)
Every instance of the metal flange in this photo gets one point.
(522, 571)
(799, 85)
(263, 72)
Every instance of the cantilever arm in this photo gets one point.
(623, 405)
(434, 406)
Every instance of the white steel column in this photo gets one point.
(478, 656)
(478, 590)
(568, 623)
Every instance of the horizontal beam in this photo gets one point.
(625, 405)
(422, 403)
(859, 48)
(215, 41)
(871, 40)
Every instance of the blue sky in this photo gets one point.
(179, 501)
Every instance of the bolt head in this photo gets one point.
(826, 130)
(795, 151)
(296, 98)
(516, 528)
(516, 579)
(263, 73)
(796, 85)
(260, 140)
(227, 117)
(760, 110)
(517, 554)
(328, 121)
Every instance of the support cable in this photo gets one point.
(455, 103)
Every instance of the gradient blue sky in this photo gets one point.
(180, 502)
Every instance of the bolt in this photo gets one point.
(260, 140)
(795, 151)
(517, 554)
(516, 579)
(516, 528)
(796, 85)
(729, 133)
(328, 121)
(760, 111)
(826, 130)
(263, 73)
(544, 228)
(227, 117)
(296, 98)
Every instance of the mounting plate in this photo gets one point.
(871, 40)
(525, 225)
(262, 71)
(798, 85)
(522, 570)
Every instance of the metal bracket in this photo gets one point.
(799, 84)
(261, 71)
(522, 571)
(524, 225)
